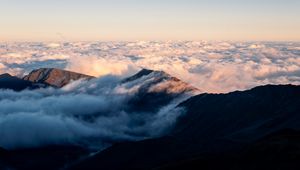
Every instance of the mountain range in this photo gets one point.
(253, 129)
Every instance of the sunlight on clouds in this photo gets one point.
(210, 66)
(99, 66)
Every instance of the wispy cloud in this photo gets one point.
(89, 113)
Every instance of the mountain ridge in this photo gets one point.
(155, 89)
(8, 81)
(54, 77)
(212, 133)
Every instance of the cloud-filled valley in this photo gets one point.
(93, 114)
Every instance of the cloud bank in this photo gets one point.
(210, 66)
(87, 113)
(94, 113)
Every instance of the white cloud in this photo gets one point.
(50, 116)
(89, 113)
(210, 66)
(96, 66)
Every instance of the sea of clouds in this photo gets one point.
(91, 113)
(210, 66)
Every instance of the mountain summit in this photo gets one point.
(159, 81)
(54, 77)
(155, 89)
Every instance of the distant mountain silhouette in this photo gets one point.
(14, 83)
(54, 77)
(254, 129)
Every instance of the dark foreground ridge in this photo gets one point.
(254, 129)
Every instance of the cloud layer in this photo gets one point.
(93, 113)
(210, 66)
(88, 113)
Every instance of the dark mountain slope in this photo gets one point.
(54, 77)
(14, 83)
(241, 115)
(279, 150)
(48, 158)
(220, 131)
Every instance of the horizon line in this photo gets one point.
(141, 40)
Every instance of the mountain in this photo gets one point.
(2, 155)
(241, 116)
(48, 158)
(253, 129)
(43, 77)
(154, 89)
(148, 91)
(143, 72)
(14, 83)
(54, 77)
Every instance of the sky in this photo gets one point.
(126, 20)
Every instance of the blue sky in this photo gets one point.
(41, 20)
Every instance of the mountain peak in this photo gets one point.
(160, 79)
(143, 72)
(155, 88)
(146, 72)
(54, 76)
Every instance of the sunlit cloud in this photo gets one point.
(209, 66)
